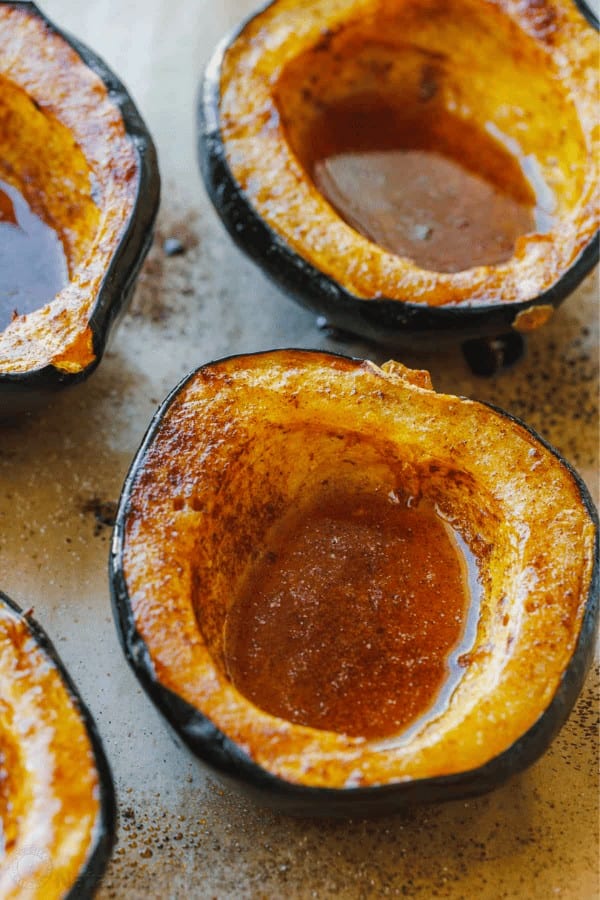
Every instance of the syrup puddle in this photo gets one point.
(455, 669)
(33, 267)
(355, 618)
(428, 186)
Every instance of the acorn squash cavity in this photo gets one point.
(407, 167)
(57, 805)
(279, 514)
(78, 162)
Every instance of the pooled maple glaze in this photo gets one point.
(33, 267)
(435, 188)
(349, 621)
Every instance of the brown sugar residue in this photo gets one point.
(349, 621)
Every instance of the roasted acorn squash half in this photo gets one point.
(57, 805)
(303, 105)
(240, 469)
(77, 159)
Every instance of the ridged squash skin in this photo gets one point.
(244, 440)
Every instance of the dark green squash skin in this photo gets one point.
(104, 832)
(384, 321)
(213, 748)
(589, 13)
(24, 391)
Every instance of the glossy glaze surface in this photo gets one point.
(422, 183)
(33, 267)
(422, 206)
(353, 618)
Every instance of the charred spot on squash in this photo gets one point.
(264, 513)
(412, 155)
(77, 162)
(57, 804)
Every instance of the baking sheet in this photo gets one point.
(181, 835)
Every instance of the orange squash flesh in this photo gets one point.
(245, 441)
